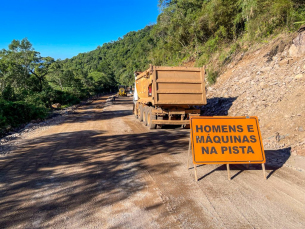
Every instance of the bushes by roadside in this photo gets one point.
(12, 114)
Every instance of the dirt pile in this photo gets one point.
(269, 83)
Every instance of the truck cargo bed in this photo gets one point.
(178, 86)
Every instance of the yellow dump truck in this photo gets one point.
(168, 95)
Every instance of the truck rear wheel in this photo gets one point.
(159, 126)
(145, 111)
(150, 118)
(140, 113)
(134, 109)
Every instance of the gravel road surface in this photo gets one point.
(101, 168)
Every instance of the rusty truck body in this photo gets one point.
(168, 95)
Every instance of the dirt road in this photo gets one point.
(101, 168)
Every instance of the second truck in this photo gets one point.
(168, 95)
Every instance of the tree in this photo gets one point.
(23, 67)
(40, 67)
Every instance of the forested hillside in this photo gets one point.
(203, 32)
(193, 30)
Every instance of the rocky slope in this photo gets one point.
(268, 82)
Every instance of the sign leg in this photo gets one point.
(264, 171)
(228, 169)
(195, 168)
(188, 155)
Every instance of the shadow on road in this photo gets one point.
(59, 173)
(96, 111)
(123, 101)
(275, 159)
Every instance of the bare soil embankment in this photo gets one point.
(268, 82)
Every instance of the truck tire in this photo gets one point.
(150, 118)
(140, 114)
(159, 126)
(145, 110)
(134, 110)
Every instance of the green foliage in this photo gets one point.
(212, 76)
(13, 114)
(22, 67)
(3, 123)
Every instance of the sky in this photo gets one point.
(64, 28)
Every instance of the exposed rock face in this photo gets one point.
(271, 88)
(297, 48)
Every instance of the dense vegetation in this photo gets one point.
(201, 31)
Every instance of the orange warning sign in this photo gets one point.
(226, 140)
